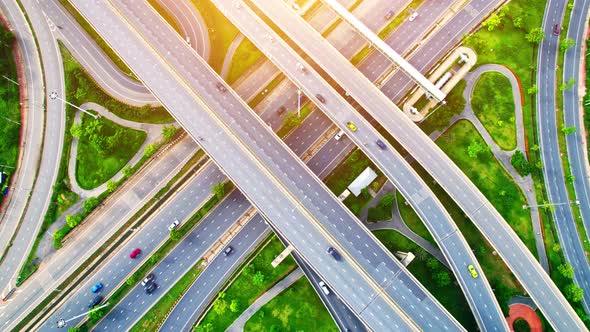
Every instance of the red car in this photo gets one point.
(135, 252)
(556, 29)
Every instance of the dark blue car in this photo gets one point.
(96, 288)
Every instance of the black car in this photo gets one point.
(380, 144)
(151, 287)
(228, 251)
(334, 253)
(95, 301)
(321, 98)
(148, 279)
(220, 87)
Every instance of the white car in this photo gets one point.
(339, 135)
(413, 16)
(324, 288)
(173, 225)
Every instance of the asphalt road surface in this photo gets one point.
(148, 238)
(550, 154)
(22, 181)
(573, 116)
(50, 156)
(454, 246)
(164, 72)
(492, 225)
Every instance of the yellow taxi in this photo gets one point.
(473, 271)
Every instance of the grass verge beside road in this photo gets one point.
(82, 89)
(411, 218)
(221, 32)
(493, 104)
(246, 55)
(297, 308)
(10, 112)
(104, 147)
(490, 177)
(253, 280)
(429, 273)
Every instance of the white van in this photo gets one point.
(324, 288)
(339, 135)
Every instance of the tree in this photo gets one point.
(433, 264)
(73, 220)
(248, 269)
(76, 130)
(568, 130)
(556, 247)
(535, 36)
(220, 305)
(566, 270)
(387, 200)
(442, 278)
(234, 306)
(127, 171)
(218, 190)
(168, 132)
(475, 148)
(532, 90)
(517, 22)
(421, 253)
(150, 149)
(492, 22)
(566, 44)
(175, 234)
(154, 258)
(132, 280)
(570, 178)
(111, 185)
(97, 314)
(89, 204)
(74, 329)
(573, 293)
(365, 192)
(522, 166)
(291, 120)
(567, 85)
(205, 328)
(258, 278)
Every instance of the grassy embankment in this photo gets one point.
(493, 104)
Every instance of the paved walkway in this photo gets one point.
(520, 311)
(153, 131)
(396, 223)
(238, 324)
(229, 55)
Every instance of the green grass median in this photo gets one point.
(104, 147)
(493, 104)
(253, 280)
(297, 308)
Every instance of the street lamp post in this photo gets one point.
(576, 202)
(53, 95)
(64, 322)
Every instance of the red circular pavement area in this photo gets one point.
(521, 311)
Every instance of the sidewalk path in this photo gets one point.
(153, 132)
(238, 324)
(396, 223)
